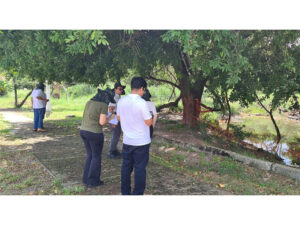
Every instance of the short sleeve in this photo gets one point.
(153, 109)
(118, 109)
(39, 93)
(146, 111)
(103, 108)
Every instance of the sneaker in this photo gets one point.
(93, 186)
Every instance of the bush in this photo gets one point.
(81, 90)
(238, 132)
(4, 87)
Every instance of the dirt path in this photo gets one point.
(61, 153)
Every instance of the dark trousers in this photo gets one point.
(151, 131)
(134, 157)
(38, 118)
(93, 144)
(115, 136)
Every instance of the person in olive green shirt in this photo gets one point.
(94, 117)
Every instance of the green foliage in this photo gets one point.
(238, 132)
(80, 90)
(4, 87)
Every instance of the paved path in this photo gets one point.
(62, 153)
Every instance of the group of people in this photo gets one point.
(134, 115)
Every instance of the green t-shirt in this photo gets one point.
(91, 115)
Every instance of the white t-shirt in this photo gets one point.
(44, 102)
(152, 107)
(37, 104)
(133, 111)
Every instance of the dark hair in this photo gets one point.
(105, 96)
(138, 82)
(147, 95)
(40, 86)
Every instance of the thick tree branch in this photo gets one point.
(185, 64)
(217, 98)
(24, 100)
(170, 104)
(260, 103)
(165, 81)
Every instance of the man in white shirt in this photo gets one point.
(38, 104)
(135, 118)
(115, 129)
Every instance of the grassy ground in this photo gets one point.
(223, 172)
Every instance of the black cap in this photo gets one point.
(118, 84)
(40, 86)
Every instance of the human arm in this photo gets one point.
(154, 120)
(148, 122)
(104, 120)
(43, 99)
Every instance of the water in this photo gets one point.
(285, 151)
(288, 150)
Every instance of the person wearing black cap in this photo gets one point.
(94, 117)
(115, 129)
(147, 97)
(38, 104)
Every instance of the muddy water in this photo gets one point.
(262, 126)
(289, 153)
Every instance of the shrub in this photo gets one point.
(4, 87)
(81, 90)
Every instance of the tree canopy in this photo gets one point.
(231, 65)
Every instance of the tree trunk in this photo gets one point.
(24, 100)
(229, 111)
(272, 118)
(16, 93)
(276, 127)
(189, 109)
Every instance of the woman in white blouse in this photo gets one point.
(152, 109)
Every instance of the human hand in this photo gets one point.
(111, 109)
(112, 116)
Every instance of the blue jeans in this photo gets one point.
(134, 157)
(93, 143)
(38, 118)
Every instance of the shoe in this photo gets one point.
(93, 186)
(34, 129)
(114, 155)
(41, 130)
